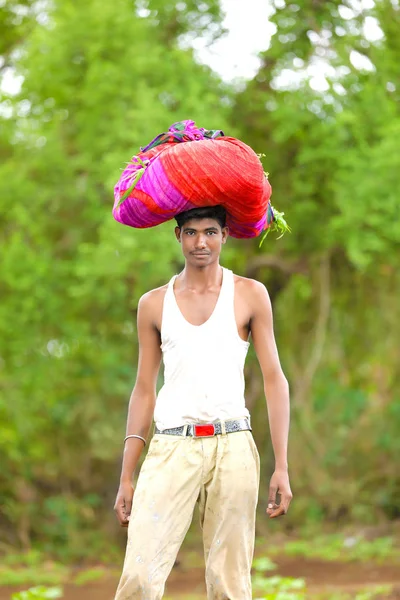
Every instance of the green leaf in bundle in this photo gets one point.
(137, 177)
(260, 156)
(279, 224)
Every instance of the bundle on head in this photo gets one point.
(190, 167)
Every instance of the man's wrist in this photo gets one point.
(125, 480)
(281, 466)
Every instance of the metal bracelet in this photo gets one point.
(139, 437)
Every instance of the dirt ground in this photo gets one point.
(320, 577)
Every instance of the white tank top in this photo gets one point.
(203, 364)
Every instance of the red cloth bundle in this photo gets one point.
(189, 168)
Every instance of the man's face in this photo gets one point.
(201, 241)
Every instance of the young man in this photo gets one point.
(202, 450)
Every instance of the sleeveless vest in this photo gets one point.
(203, 364)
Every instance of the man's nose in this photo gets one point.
(201, 241)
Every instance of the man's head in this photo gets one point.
(202, 231)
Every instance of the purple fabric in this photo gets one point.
(155, 183)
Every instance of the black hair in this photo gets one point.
(217, 212)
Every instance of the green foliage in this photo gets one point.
(379, 592)
(38, 593)
(337, 547)
(263, 563)
(36, 568)
(71, 277)
(89, 575)
(279, 588)
(279, 224)
(287, 588)
(100, 80)
(276, 587)
(31, 568)
(335, 172)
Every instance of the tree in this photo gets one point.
(328, 122)
(98, 81)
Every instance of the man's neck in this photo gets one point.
(201, 278)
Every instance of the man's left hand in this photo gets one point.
(279, 484)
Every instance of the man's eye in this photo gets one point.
(211, 232)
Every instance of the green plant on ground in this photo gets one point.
(276, 588)
(263, 563)
(89, 575)
(39, 593)
(31, 558)
(36, 568)
(279, 588)
(341, 547)
(380, 592)
(50, 574)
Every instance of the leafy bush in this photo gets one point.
(31, 568)
(340, 547)
(39, 593)
(280, 588)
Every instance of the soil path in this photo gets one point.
(320, 576)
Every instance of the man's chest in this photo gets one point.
(197, 309)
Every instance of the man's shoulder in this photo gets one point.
(153, 297)
(247, 285)
(150, 306)
(253, 294)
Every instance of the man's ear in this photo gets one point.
(225, 234)
(178, 234)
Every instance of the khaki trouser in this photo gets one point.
(220, 472)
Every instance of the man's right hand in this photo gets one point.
(123, 503)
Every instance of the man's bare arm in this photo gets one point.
(277, 395)
(141, 404)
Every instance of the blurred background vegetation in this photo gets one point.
(99, 79)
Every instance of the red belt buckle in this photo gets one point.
(207, 430)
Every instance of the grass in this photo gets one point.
(31, 568)
(379, 592)
(278, 588)
(287, 589)
(90, 575)
(39, 593)
(35, 569)
(49, 574)
(339, 547)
